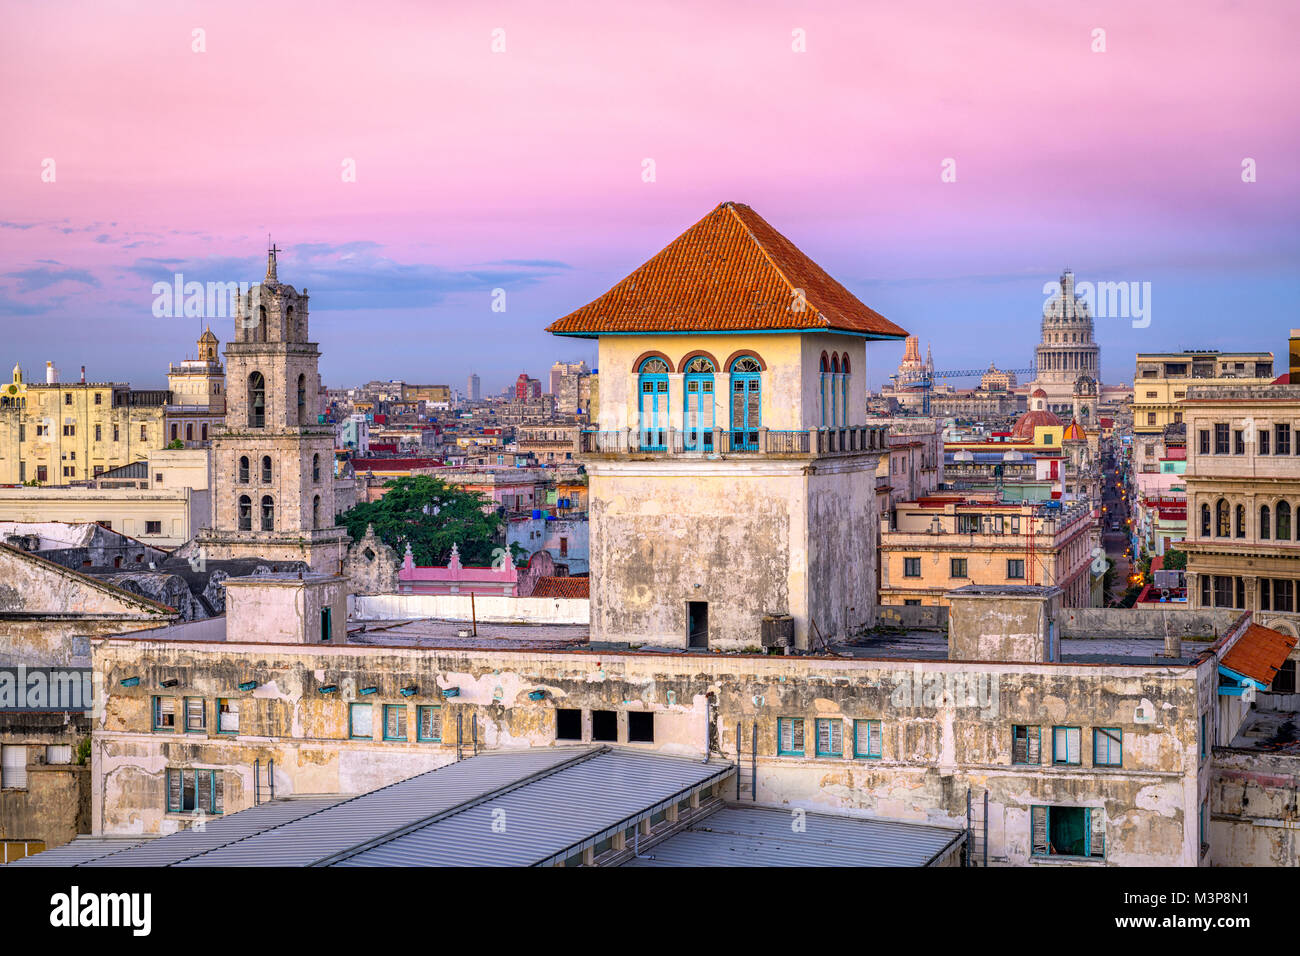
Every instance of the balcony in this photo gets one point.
(722, 443)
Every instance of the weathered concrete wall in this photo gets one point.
(371, 566)
(909, 616)
(1144, 621)
(934, 748)
(55, 804)
(489, 608)
(286, 609)
(1254, 819)
(994, 624)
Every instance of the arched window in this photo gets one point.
(1221, 526)
(268, 513)
(315, 467)
(835, 389)
(243, 470)
(746, 403)
(245, 513)
(844, 391)
(653, 405)
(259, 334)
(315, 512)
(1205, 521)
(266, 469)
(826, 370)
(290, 333)
(302, 398)
(697, 416)
(1241, 521)
(256, 401)
(1264, 531)
(1283, 529)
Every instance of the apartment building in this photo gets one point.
(946, 541)
(1161, 381)
(1243, 500)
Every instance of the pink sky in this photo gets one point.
(1126, 161)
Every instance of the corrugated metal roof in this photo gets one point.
(80, 851)
(217, 831)
(359, 820)
(553, 817)
(743, 836)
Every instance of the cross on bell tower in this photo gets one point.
(270, 260)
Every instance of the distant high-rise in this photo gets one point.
(473, 389)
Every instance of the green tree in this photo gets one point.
(175, 444)
(1175, 560)
(431, 516)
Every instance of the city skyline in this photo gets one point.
(1124, 165)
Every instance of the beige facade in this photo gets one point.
(1161, 381)
(1243, 500)
(948, 541)
(273, 488)
(54, 434)
(893, 740)
(165, 517)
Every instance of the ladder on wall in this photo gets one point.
(257, 780)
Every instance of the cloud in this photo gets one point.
(30, 280)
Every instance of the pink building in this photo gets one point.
(456, 578)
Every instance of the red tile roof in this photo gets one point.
(1259, 653)
(731, 271)
(552, 587)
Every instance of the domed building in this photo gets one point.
(1037, 417)
(1067, 350)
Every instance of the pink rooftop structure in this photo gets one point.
(456, 578)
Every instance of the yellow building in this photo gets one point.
(1161, 380)
(732, 472)
(948, 541)
(55, 432)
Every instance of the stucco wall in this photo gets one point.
(933, 748)
(488, 608)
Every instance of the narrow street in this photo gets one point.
(1114, 517)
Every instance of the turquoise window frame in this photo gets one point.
(156, 711)
(1067, 762)
(844, 399)
(326, 625)
(395, 708)
(744, 433)
(1038, 728)
(705, 406)
(217, 713)
(823, 388)
(880, 737)
(653, 420)
(352, 735)
(211, 775)
(1205, 735)
(780, 729)
(1087, 834)
(817, 740)
(419, 724)
(185, 715)
(1117, 745)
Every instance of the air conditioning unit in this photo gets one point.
(778, 630)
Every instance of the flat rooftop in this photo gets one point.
(1269, 731)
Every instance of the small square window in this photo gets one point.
(867, 738)
(911, 567)
(830, 737)
(1107, 747)
(640, 726)
(957, 568)
(1065, 745)
(1026, 741)
(394, 721)
(604, 725)
(227, 716)
(568, 724)
(789, 732)
(429, 719)
(196, 715)
(361, 722)
(164, 713)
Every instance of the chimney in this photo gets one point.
(83, 375)
(51, 374)
(1173, 643)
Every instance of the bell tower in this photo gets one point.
(273, 460)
